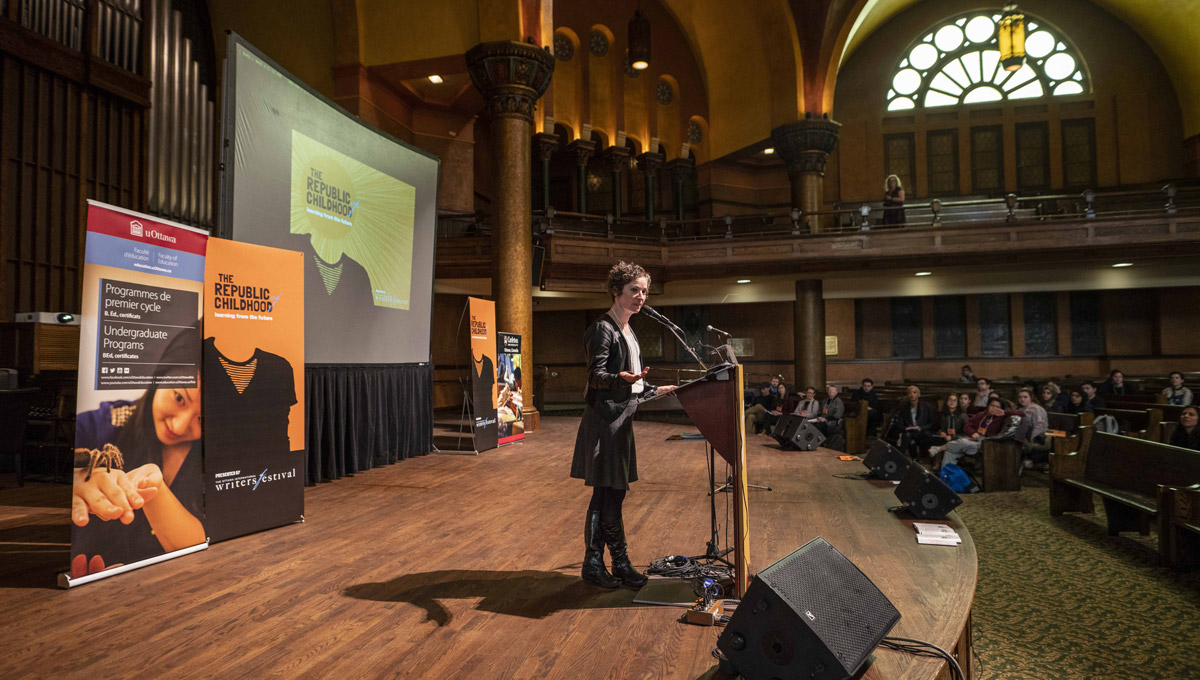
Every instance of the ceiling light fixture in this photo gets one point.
(435, 79)
(1122, 264)
(769, 150)
(743, 280)
(924, 274)
(1011, 36)
(639, 41)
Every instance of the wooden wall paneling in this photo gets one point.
(928, 326)
(1062, 310)
(1016, 316)
(972, 309)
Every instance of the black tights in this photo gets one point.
(608, 501)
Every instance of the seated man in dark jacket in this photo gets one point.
(867, 393)
(913, 423)
(829, 422)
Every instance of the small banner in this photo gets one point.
(138, 489)
(510, 402)
(253, 388)
(483, 372)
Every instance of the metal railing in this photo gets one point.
(1169, 199)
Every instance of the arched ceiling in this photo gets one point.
(1171, 29)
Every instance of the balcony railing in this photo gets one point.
(1170, 199)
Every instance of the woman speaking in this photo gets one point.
(605, 457)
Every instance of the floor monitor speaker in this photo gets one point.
(886, 461)
(924, 495)
(812, 614)
(807, 437)
(785, 428)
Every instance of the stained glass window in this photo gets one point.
(959, 63)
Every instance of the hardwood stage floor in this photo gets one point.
(456, 566)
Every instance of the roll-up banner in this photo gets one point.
(253, 388)
(511, 401)
(138, 490)
(483, 372)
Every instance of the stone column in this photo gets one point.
(615, 158)
(809, 318)
(680, 169)
(512, 76)
(581, 150)
(650, 163)
(545, 144)
(805, 146)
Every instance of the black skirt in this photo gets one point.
(605, 454)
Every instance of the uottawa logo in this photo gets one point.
(137, 229)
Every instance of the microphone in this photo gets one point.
(653, 314)
(718, 330)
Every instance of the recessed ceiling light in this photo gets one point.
(435, 79)
(769, 150)
(641, 65)
(924, 274)
(1123, 264)
(743, 280)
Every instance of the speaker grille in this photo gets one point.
(835, 599)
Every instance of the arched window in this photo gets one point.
(959, 63)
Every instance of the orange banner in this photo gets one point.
(483, 372)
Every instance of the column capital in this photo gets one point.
(512, 76)
(545, 144)
(616, 158)
(582, 150)
(680, 168)
(805, 144)
(650, 161)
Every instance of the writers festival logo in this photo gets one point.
(347, 207)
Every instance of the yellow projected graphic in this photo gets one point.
(348, 208)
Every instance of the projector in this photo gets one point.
(53, 318)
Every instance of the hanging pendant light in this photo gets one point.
(639, 41)
(1011, 34)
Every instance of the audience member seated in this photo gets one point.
(829, 422)
(986, 424)
(776, 381)
(1063, 398)
(1116, 385)
(1091, 398)
(1187, 435)
(1076, 404)
(912, 424)
(1037, 449)
(783, 398)
(968, 376)
(964, 402)
(983, 393)
(954, 421)
(867, 393)
(762, 405)
(1049, 400)
(1177, 394)
(808, 405)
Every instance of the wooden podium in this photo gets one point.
(714, 403)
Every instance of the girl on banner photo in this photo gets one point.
(605, 456)
(138, 489)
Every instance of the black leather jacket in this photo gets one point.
(608, 355)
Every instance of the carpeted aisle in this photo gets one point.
(1059, 598)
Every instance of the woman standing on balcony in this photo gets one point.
(893, 201)
(605, 457)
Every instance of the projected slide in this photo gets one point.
(301, 173)
(354, 212)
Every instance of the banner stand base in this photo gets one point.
(65, 580)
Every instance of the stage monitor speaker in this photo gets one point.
(785, 428)
(812, 614)
(807, 437)
(886, 461)
(924, 495)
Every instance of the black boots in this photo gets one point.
(593, 557)
(622, 569)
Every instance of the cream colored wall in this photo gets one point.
(299, 37)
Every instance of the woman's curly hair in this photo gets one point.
(621, 274)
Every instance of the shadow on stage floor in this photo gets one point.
(33, 554)
(527, 593)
